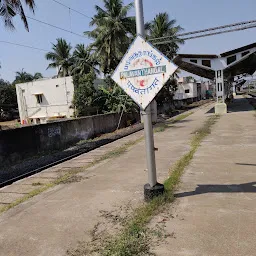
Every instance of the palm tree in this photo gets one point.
(22, 77)
(162, 26)
(37, 76)
(11, 8)
(113, 33)
(60, 57)
(83, 61)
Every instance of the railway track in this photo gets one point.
(13, 174)
(34, 166)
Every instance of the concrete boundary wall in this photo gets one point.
(21, 143)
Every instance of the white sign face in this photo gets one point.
(143, 72)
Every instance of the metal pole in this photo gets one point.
(148, 129)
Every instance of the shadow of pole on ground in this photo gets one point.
(218, 188)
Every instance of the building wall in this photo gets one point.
(204, 87)
(21, 143)
(181, 93)
(57, 95)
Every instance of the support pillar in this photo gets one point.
(220, 106)
(234, 90)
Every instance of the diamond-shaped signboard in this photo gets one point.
(143, 72)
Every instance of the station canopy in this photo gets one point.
(235, 62)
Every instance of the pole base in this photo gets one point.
(151, 192)
(221, 108)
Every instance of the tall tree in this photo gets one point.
(113, 32)
(113, 98)
(11, 8)
(60, 57)
(83, 61)
(162, 26)
(22, 77)
(85, 94)
(7, 93)
(4, 83)
(37, 76)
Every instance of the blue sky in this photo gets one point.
(190, 14)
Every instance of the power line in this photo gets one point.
(72, 9)
(220, 27)
(63, 29)
(201, 33)
(240, 27)
(22, 45)
(209, 34)
(221, 32)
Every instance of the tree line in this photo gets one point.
(112, 33)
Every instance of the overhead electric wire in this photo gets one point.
(54, 26)
(221, 32)
(72, 9)
(22, 45)
(241, 26)
(156, 43)
(208, 34)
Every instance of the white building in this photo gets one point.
(45, 99)
(187, 89)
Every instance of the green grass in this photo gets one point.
(63, 179)
(163, 126)
(181, 117)
(37, 184)
(25, 198)
(160, 128)
(134, 240)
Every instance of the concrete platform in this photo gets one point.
(215, 210)
(220, 108)
(59, 218)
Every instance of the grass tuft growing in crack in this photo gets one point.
(181, 117)
(163, 126)
(133, 240)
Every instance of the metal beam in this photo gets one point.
(207, 32)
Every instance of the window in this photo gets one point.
(219, 87)
(218, 73)
(187, 91)
(231, 59)
(245, 53)
(39, 98)
(206, 63)
(194, 61)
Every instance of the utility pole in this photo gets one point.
(152, 188)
